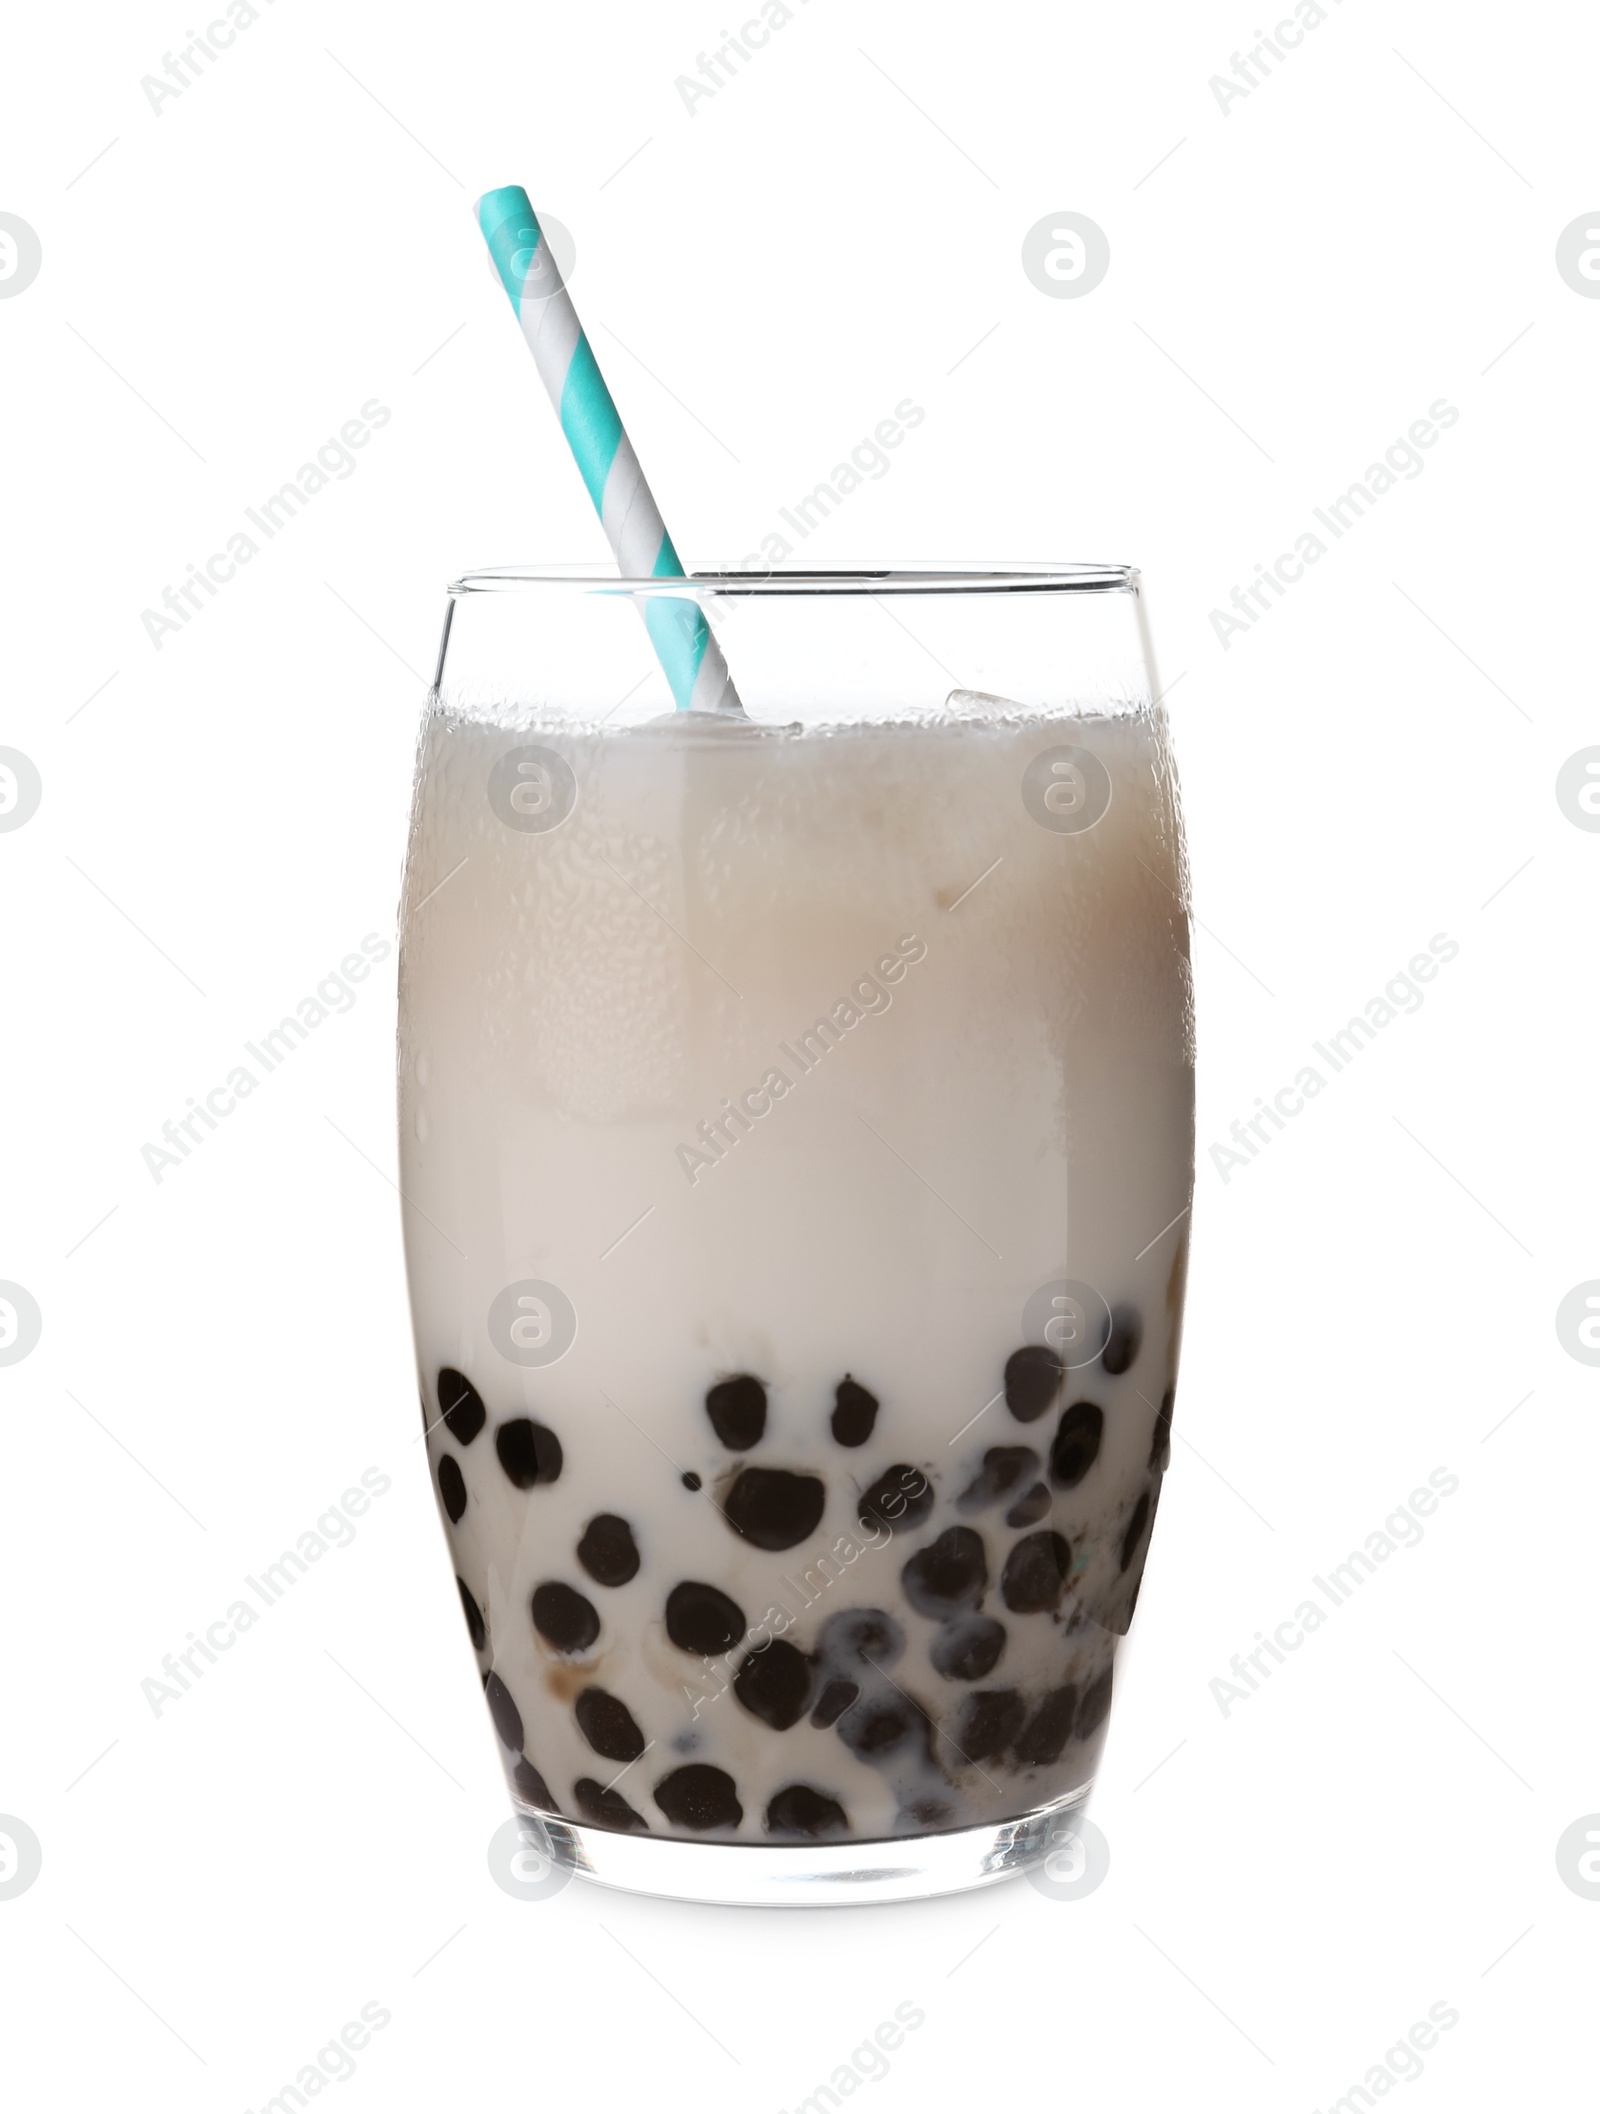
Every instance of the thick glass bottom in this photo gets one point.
(809, 1875)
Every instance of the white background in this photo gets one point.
(1292, 1885)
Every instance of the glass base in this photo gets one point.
(809, 1875)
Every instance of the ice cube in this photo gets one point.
(971, 702)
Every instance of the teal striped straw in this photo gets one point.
(695, 669)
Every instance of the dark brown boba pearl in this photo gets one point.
(461, 1405)
(564, 1618)
(1032, 1381)
(474, 1615)
(834, 1701)
(738, 1411)
(799, 1810)
(529, 1453)
(1122, 1345)
(690, 1480)
(861, 1637)
(608, 1551)
(950, 1574)
(1136, 1527)
(452, 1486)
(1030, 1508)
(1161, 1437)
(774, 1508)
(989, 1721)
(1004, 1467)
(698, 1796)
(607, 1809)
(1096, 1705)
(901, 1497)
(855, 1411)
(701, 1618)
(880, 1725)
(774, 1684)
(1077, 1443)
(608, 1725)
(928, 1813)
(504, 1711)
(531, 1785)
(969, 1648)
(1036, 1572)
(1048, 1729)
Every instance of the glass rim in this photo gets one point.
(931, 580)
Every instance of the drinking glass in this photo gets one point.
(796, 1140)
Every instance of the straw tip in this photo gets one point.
(502, 204)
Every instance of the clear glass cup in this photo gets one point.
(796, 1140)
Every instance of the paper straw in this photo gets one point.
(695, 669)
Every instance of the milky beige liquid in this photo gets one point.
(1011, 1105)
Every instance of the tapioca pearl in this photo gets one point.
(474, 1615)
(1033, 1379)
(1135, 1528)
(503, 1709)
(901, 1497)
(774, 1684)
(929, 1812)
(1004, 1467)
(855, 1411)
(531, 1785)
(690, 1480)
(452, 1486)
(702, 1619)
(878, 1726)
(1156, 1489)
(1076, 1447)
(529, 1453)
(461, 1405)
(737, 1408)
(950, 1574)
(988, 1721)
(799, 1809)
(608, 1725)
(1033, 1506)
(608, 1551)
(774, 1508)
(834, 1701)
(1161, 1437)
(564, 1618)
(699, 1796)
(1122, 1345)
(1036, 1573)
(607, 1809)
(1095, 1707)
(1049, 1728)
(860, 1637)
(968, 1648)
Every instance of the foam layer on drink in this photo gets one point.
(798, 1066)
